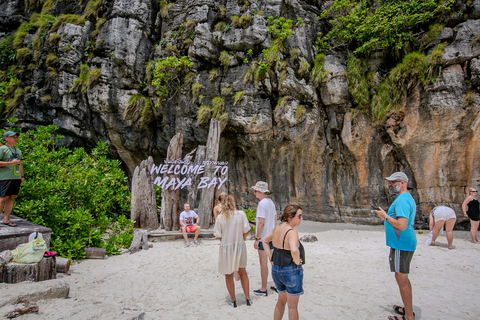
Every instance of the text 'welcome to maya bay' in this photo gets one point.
(173, 170)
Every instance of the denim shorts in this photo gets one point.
(260, 246)
(289, 279)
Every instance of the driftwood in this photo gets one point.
(19, 272)
(94, 253)
(33, 291)
(63, 265)
(139, 240)
(207, 198)
(27, 308)
(192, 189)
(144, 204)
(171, 198)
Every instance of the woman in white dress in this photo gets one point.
(231, 227)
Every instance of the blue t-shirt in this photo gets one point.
(406, 240)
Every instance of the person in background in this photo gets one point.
(287, 258)
(266, 219)
(187, 225)
(231, 228)
(401, 239)
(218, 207)
(470, 207)
(11, 175)
(439, 216)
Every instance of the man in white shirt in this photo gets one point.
(187, 225)
(266, 219)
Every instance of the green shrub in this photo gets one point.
(169, 73)
(53, 39)
(23, 54)
(68, 18)
(87, 79)
(212, 75)
(82, 197)
(218, 104)
(318, 72)
(52, 60)
(204, 115)
(299, 112)
(303, 69)
(433, 31)
(91, 10)
(219, 26)
(47, 6)
(226, 91)
(196, 89)
(358, 82)
(224, 59)
(294, 54)
(7, 53)
(98, 25)
(370, 26)
(238, 96)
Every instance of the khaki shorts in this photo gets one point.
(400, 260)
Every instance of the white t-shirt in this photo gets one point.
(266, 210)
(188, 217)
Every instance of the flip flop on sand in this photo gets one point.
(10, 224)
(273, 289)
(399, 310)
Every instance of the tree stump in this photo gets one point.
(63, 264)
(171, 198)
(144, 202)
(207, 198)
(19, 272)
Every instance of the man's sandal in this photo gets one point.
(399, 310)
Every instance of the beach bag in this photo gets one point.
(30, 252)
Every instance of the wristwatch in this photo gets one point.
(257, 238)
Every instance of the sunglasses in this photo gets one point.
(393, 182)
(474, 191)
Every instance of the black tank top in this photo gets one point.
(473, 211)
(283, 258)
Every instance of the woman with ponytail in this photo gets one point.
(231, 228)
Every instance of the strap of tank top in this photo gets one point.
(283, 246)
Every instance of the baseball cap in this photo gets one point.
(398, 176)
(10, 134)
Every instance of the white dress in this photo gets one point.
(233, 250)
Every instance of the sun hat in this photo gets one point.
(398, 176)
(10, 134)
(261, 186)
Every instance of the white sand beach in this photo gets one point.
(346, 276)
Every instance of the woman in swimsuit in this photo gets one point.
(287, 257)
(471, 209)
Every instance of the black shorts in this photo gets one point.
(400, 260)
(10, 187)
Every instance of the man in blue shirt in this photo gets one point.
(401, 239)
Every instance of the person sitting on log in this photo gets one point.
(187, 225)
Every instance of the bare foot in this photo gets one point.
(432, 243)
(450, 248)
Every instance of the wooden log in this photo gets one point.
(171, 198)
(94, 253)
(207, 198)
(19, 272)
(143, 201)
(63, 265)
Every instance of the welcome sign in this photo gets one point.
(184, 168)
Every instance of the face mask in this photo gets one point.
(395, 189)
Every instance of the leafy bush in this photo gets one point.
(370, 26)
(168, 73)
(82, 197)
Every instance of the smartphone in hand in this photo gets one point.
(374, 207)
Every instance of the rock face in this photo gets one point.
(302, 137)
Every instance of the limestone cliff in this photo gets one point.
(302, 134)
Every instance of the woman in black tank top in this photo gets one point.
(471, 208)
(287, 257)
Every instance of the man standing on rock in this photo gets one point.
(11, 175)
(187, 224)
(266, 218)
(401, 239)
